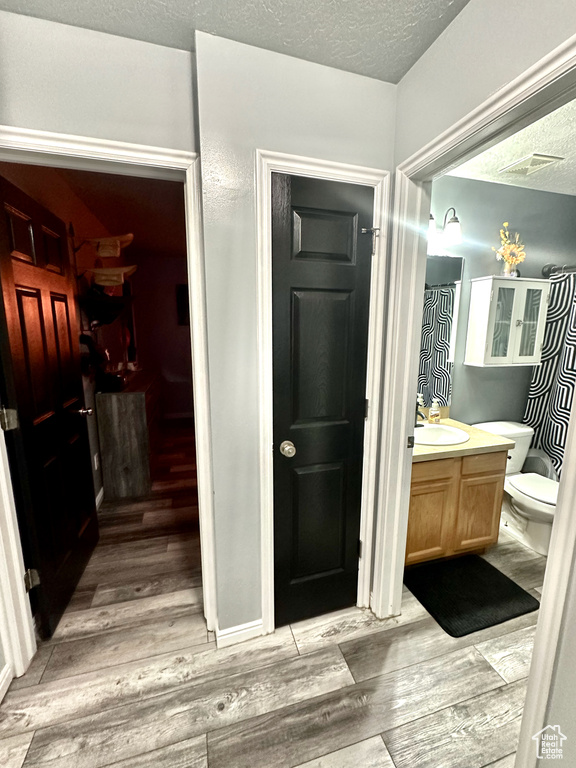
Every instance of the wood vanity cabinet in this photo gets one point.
(455, 505)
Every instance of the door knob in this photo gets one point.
(288, 449)
(84, 411)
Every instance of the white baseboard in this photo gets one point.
(6, 677)
(238, 634)
(100, 498)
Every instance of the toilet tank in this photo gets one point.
(521, 434)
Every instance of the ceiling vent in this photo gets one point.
(529, 164)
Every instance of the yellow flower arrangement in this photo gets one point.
(511, 249)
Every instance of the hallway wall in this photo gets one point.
(251, 98)
(488, 45)
(55, 77)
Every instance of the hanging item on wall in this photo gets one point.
(511, 251)
(110, 247)
(108, 276)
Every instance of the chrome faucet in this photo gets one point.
(419, 404)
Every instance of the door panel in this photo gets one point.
(321, 283)
(320, 348)
(319, 515)
(49, 452)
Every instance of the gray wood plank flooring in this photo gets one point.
(467, 735)
(132, 678)
(366, 754)
(186, 754)
(13, 750)
(510, 655)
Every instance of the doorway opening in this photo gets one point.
(322, 244)
(132, 333)
(503, 362)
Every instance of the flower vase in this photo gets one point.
(508, 270)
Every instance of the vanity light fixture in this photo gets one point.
(451, 231)
(440, 239)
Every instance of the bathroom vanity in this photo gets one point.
(456, 495)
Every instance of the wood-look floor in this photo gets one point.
(132, 678)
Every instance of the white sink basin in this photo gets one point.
(439, 434)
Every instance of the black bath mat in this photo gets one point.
(467, 594)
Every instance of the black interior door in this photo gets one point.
(49, 451)
(321, 292)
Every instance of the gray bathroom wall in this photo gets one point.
(547, 226)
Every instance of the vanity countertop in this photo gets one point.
(480, 442)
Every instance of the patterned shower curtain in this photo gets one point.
(434, 374)
(553, 382)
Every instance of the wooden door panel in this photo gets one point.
(320, 325)
(21, 235)
(321, 286)
(479, 511)
(65, 364)
(35, 350)
(49, 453)
(54, 250)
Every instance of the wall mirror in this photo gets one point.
(439, 324)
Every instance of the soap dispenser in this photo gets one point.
(434, 413)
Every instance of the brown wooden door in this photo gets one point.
(48, 452)
(321, 295)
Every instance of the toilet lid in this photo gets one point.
(537, 487)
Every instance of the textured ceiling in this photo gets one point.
(152, 210)
(554, 134)
(377, 38)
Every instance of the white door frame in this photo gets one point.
(266, 163)
(542, 88)
(23, 145)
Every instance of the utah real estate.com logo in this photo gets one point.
(549, 743)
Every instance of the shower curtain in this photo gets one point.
(435, 372)
(553, 382)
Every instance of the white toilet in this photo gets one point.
(529, 499)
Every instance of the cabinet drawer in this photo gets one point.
(485, 462)
(435, 470)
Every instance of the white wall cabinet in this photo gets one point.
(506, 321)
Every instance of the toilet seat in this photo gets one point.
(533, 496)
(537, 487)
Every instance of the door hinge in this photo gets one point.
(366, 406)
(31, 579)
(410, 441)
(375, 232)
(8, 419)
(360, 547)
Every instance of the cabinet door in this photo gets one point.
(529, 323)
(478, 517)
(433, 503)
(500, 337)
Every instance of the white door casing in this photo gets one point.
(267, 163)
(538, 91)
(84, 153)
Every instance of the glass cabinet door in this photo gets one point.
(502, 329)
(529, 323)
